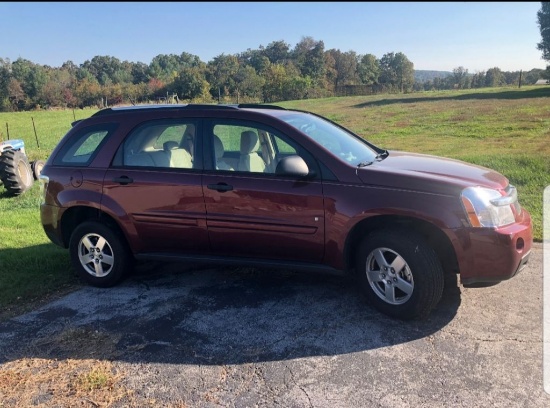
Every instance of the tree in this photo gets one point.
(273, 88)
(277, 52)
(32, 78)
(494, 77)
(5, 76)
(532, 76)
(368, 69)
(222, 71)
(397, 71)
(140, 72)
(88, 93)
(344, 68)
(70, 66)
(511, 78)
(255, 59)
(478, 80)
(107, 70)
(308, 57)
(166, 67)
(53, 93)
(189, 83)
(248, 82)
(543, 18)
(16, 94)
(460, 76)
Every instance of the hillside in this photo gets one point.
(428, 75)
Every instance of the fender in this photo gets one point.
(364, 202)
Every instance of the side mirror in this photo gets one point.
(293, 166)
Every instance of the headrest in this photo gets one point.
(249, 142)
(170, 145)
(218, 147)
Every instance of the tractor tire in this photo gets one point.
(36, 167)
(15, 172)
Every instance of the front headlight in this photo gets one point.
(486, 207)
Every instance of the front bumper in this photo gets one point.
(493, 255)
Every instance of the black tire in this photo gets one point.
(36, 167)
(109, 261)
(15, 172)
(406, 278)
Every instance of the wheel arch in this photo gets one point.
(79, 214)
(433, 235)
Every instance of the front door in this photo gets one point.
(251, 211)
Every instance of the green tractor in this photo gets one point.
(16, 172)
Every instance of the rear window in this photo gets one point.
(82, 147)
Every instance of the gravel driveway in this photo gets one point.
(211, 336)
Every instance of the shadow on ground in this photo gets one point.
(543, 92)
(204, 315)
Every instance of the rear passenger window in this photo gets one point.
(160, 144)
(82, 147)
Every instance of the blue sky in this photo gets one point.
(436, 36)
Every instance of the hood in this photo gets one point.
(429, 173)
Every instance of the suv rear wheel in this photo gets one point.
(400, 274)
(98, 254)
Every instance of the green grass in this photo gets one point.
(504, 129)
(30, 266)
(50, 127)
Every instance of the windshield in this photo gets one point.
(335, 139)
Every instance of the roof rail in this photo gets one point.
(259, 106)
(190, 106)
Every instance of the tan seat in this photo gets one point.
(140, 159)
(188, 139)
(250, 160)
(218, 152)
(181, 158)
(178, 157)
(161, 158)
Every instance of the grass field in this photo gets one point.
(507, 129)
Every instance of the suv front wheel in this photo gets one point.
(98, 254)
(400, 274)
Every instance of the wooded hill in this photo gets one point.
(272, 73)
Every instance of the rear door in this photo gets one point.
(251, 212)
(154, 186)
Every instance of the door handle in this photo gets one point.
(123, 180)
(221, 187)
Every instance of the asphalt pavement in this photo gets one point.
(244, 337)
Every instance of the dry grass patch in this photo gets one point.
(68, 383)
(78, 368)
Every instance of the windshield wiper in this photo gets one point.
(365, 164)
(379, 157)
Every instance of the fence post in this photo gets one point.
(35, 135)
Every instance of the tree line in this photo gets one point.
(272, 73)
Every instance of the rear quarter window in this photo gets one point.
(83, 146)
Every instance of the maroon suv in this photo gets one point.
(263, 185)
